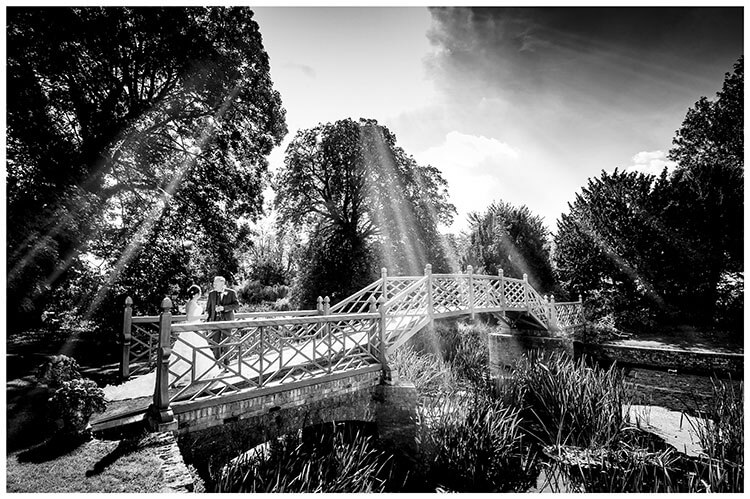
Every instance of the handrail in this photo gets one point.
(317, 319)
(349, 299)
(409, 289)
(145, 319)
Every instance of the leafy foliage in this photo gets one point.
(128, 141)
(75, 402)
(364, 202)
(660, 248)
(512, 239)
(614, 243)
(57, 370)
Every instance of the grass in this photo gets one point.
(93, 466)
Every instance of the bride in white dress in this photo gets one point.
(191, 345)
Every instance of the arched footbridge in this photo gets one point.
(295, 357)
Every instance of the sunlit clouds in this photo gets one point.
(651, 163)
(476, 168)
(521, 105)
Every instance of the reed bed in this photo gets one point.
(552, 424)
(334, 462)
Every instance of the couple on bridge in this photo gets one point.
(221, 305)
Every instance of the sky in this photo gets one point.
(521, 105)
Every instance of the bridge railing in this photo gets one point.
(193, 362)
(411, 300)
(140, 335)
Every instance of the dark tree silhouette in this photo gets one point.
(514, 240)
(131, 130)
(364, 201)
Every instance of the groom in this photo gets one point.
(222, 302)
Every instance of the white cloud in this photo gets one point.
(479, 170)
(651, 162)
(468, 151)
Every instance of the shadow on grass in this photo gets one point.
(124, 448)
(52, 449)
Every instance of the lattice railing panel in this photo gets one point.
(450, 293)
(538, 306)
(515, 293)
(143, 343)
(271, 352)
(359, 302)
(487, 292)
(569, 314)
(406, 310)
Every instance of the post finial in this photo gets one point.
(470, 269)
(525, 277)
(327, 300)
(381, 300)
(166, 304)
(552, 298)
(500, 272)
(428, 269)
(128, 301)
(384, 272)
(580, 298)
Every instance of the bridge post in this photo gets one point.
(430, 304)
(553, 326)
(126, 338)
(526, 293)
(327, 330)
(470, 271)
(383, 347)
(384, 278)
(502, 290)
(161, 417)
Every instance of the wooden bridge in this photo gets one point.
(268, 353)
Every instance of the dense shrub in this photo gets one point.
(253, 292)
(57, 370)
(74, 403)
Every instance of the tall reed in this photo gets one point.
(472, 443)
(332, 463)
(566, 402)
(722, 467)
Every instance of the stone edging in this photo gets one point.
(177, 477)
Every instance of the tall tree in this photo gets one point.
(706, 204)
(135, 124)
(365, 202)
(514, 240)
(613, 243)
